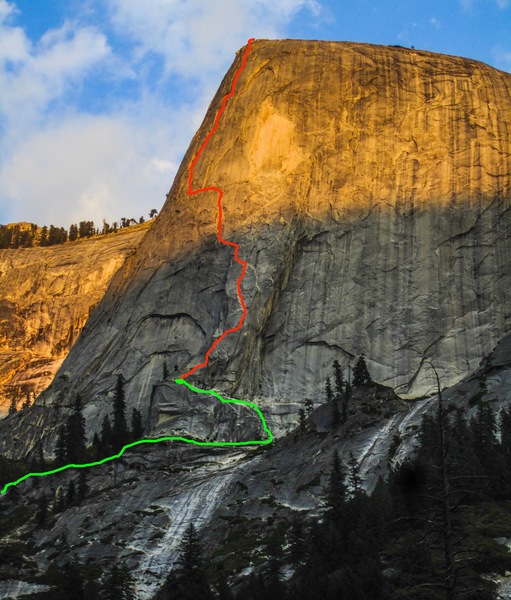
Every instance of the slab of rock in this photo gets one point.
(369, 189)
(46, 296)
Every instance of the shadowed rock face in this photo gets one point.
(141, 504)
(369, 190)
(46, 296)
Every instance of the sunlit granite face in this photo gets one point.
(46, 297)
(369, 190)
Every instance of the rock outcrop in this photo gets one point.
(369, 190)
(46, 296)
(227, 492)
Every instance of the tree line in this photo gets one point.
(27, 402)
(30, 235)
(338, 391)
(71, 448)
(116, 432)
(427, 532)
(83, 582)
(88, 582)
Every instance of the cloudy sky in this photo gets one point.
(100, 98)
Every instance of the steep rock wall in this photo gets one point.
(224, 491)
(369, 189)
(46, 296)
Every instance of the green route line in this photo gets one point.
(164, 439)
(181, 381)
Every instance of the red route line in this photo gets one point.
(192, 192)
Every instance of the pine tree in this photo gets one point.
(165, 371)
(336, 491)
(86, 229)
(119, 584)
(39, 458)
(221, 584)
(52, 236)
(106, 434)
(37, 463)
(442, 552)
(71, 493)
(97, 447)
(75, 433)
(361, 372)
(83, 486)
(336, 415)
(120, 427)
(42, 511)
(191, 580)
(484, 427)
(12, 407)
(44, 236)
(190, 560)
(346, 400)
(309, 406)
(92, 589)
(137, 428)
(70, 583)
(297, 543)
(301, 419)
(462, 454)
(328, 390)
(26, 402)
(61, 447)
(338, 379)
(354, 477)
(274, 588)
(73, 233)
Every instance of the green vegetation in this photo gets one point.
(426, 533)
(115, 433)
(361, 374)
(29, 235)
(188, 581)
(429, 528)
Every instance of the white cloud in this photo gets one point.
(163, 166)
(90, 167)
(404, 36)
(502, 58)
(60, 164)
(467, 5)
(32, 76)
(6, 10)
(193, 37)
(435, 23)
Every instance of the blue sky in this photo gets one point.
(100, 98)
